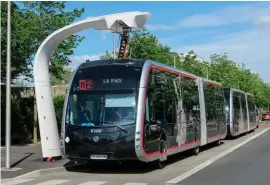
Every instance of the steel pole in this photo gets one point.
(174, 61)
(113, 45)
(8, 117)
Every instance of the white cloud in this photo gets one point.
(227, 15)
(263, 21)
(153, 27)
(103, 36)
(250, 47)
(90, 17)
(77, 60)
(183, 36)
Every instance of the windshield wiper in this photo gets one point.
(101, 122)
(116, 125)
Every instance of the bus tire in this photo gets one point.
(158, 163)
(196, 150)
(218, 143)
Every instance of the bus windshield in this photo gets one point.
(101, 108)
(100, 96)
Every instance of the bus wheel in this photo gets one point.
(218, 143)
(196, 150)
(159, 164)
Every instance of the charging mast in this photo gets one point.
(117, 23)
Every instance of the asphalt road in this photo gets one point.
(239, 167)
(249, 165)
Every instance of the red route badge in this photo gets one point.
(85, 85)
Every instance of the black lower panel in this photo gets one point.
(119, 150)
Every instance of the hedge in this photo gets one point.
(58, 106)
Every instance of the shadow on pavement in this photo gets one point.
(21, 160)
(130, 167)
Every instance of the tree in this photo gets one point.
(31, 24)
(145, 45)
(19, 48)
(190, 63)
(65, 77)
(220, 68)
(231, 74)
(107, 55)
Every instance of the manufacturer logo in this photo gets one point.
(96, 130)
(96, 139)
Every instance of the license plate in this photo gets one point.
(98, 156)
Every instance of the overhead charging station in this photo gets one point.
(120, 23)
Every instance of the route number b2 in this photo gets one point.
(85, 84)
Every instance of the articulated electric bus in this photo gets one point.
(240, 112)
(127, 109)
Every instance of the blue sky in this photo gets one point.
(240, 29)
(165, 15)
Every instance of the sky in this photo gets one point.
(240, 29)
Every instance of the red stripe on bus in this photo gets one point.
(212, 83)
(145, 95)
(172, 71)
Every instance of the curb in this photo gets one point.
(38, 173)
(264, 125)
(27, 145)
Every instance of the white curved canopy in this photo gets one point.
(46, 113)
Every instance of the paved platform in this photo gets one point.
(25, 159)
(137, 173)
(264, 124)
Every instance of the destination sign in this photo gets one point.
(112, 80)
(111, 77)
(105, 83)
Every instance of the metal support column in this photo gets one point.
(8, 117)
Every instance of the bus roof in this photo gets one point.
(138, 62)
(236, 90)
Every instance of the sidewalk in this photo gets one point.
(264, 124)
(28, 158)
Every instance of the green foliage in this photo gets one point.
(20, 49)
(65, 77)
(22, 115)
(58, 106)
(220, 68)
(231, 74)
(146, 45)
(31, 24)
(107, 55)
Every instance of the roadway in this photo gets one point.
(249, 165)
(246, 165)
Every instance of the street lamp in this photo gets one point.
(8, 117)
(174, 59)
(114, 47)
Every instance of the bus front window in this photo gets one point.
(100, 108)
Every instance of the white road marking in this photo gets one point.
(93, 183)
(52, 182)
(130, 183)
(16, 181)
(210, 161)
(10, 170)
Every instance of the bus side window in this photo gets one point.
(156, 98)
(147, 118)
